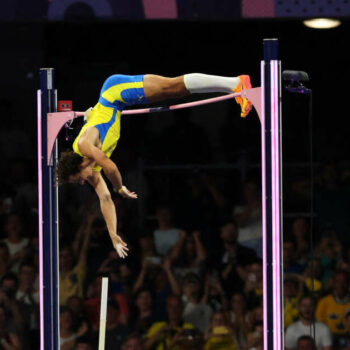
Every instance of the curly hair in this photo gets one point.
(68, 164)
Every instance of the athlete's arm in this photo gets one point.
(108, 212)
(109, 167)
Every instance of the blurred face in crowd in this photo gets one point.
(9, 286)
(250, 192)
(288, 252)
(112, 315)
(238, 303)
(163, 216)
(340, 284)
(133, 344)
(66, 259)
(229, 233)
(97, 286)
(2, 317)
(144, 301)
(190, 246)
(174, 308)
(27, 275)
(192, 288)
(258, 314)
(300, 228)
(315, 266)
(66, 320)
(218, 319)
(255, 271)
(13, 226)
(125, 272)
(159, 276)
(290, 288)
(347, 321)
(4, 254)
(83, 346)
(305, 344)
(306, 309)
(75, 304)
(146, 243)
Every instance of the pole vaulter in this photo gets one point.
(267, 103)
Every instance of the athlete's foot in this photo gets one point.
(244, 84)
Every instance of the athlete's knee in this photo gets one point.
(174, 87)
(158, 88)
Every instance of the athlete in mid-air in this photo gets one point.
(99, 136)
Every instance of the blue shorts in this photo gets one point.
(122, 90)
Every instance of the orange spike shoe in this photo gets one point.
(244, 84)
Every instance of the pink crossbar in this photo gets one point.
(55, 121)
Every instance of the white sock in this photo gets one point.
(202, 83)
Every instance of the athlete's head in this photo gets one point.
(70, 168)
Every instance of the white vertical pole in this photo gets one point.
(103, 313)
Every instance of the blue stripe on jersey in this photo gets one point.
(104, 127)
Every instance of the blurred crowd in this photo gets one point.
(193, 277)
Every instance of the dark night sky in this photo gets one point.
(91, 51)
(84, 54)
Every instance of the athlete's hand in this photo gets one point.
(124, 192)
(120, 246)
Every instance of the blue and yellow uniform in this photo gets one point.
(118, 91)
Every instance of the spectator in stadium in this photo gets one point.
(16, 242)
(68, 335)
(8, 289)
(166, 235)
(306, 342)
(239, 317)
(292, 291)
(85, 343)
(133, 342)
(167, 334)
(27, 296)
(312, 277)
(116, 332)
(252, 275)
(93, 302)
(214, 294)
(188, 254)
(300, 234)
(195, 310)
(9, 339)
(76, 305)
(332, 308)
(146, 246)
(323, 336)
(220, 335)
(158, 276)
(72, 274)
(255, 337)
(329, 251)
(27, 291)
(143, 315)
(343, 342)
(4, 259)
(248, 218)
(233, 258)
(290, 262)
